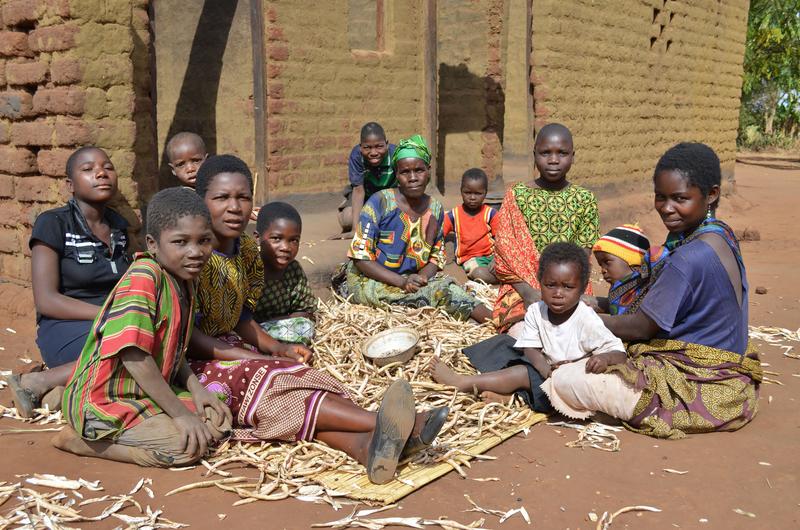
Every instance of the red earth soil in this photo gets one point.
(755, 469)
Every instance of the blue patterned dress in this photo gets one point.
(391, 237)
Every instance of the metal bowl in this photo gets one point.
(391, 346)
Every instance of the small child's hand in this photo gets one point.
(598, 364)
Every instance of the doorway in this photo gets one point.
(484, 96)
(204, 76)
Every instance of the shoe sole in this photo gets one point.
(392, 428)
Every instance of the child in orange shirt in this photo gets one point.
(473, 225)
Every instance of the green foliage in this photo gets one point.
(772, 55)
(771, 83)
(752, 139)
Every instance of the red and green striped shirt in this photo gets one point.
(143, 311)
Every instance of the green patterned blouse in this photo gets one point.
(569, 214)
(286, 295)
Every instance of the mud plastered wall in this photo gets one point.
(204, 71)
(471, 88)
(631, 78)
(72, 73)
(320, 90)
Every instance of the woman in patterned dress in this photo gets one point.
(689, 366)
(397, 251)
(271, 392)
(233, 278)
(550, 209)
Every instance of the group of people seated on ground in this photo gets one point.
(372, 168)
(207, 333)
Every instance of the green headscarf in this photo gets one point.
(414, 147)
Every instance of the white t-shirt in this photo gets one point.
(584, 332)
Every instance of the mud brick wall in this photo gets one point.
(320, 91)
(632, 78)
(517, 122)
(72, 73)
(471, 88)
(203, 60)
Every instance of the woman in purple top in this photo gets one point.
(689, 367)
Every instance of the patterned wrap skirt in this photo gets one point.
(441, 291)
(271, 399)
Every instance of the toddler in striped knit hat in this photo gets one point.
(625, 259)
(619, 250)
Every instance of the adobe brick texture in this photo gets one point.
(633, 78)
(630, 78)
(320, 91)
(67, 79)
(471, 86)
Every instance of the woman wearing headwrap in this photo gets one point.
(398, 251)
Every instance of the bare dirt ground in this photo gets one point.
(755, 469)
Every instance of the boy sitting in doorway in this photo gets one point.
(370, 170)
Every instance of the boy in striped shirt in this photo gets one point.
(132, 397)
(473, 225)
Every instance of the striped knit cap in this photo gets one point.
(626, 242)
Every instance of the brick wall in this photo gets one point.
(71, 73)
(517, 123)
(471, 88)
(204, 70)
(632, 78)
(320, 92)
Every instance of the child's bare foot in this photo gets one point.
(34, 382)
(493, 397)
(344, 235)
(483, 274)
(68, 440)
(51, 399)
(444, 375)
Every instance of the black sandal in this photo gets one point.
(393, 426)
(24, 398)
(433, 424)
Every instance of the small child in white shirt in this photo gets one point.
(559, 329)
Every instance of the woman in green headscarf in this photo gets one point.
(398, 250)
